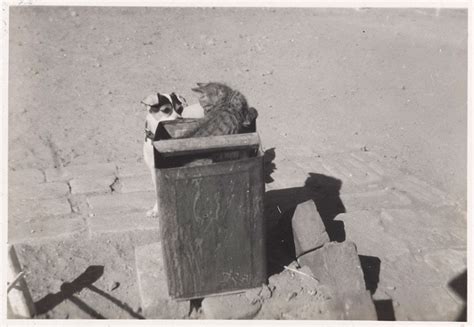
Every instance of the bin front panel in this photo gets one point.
(212, 227)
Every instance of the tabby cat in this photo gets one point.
(226, 111)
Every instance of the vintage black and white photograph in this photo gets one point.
(203, 162)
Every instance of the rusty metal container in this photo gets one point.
(210, 196)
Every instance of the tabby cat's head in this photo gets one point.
(212, 94)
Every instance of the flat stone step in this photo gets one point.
(336, 265)
(288, 174)
(129, 169)
(121, 222)
(38, 191)
(92, 184)
(418, 231)
(365, 229)
(25, 209)
(25, 176)
(422, 191)
(130, 184)
(153, 286)
(80, 171)
(121, 202)
(45, 229)
(374, 200)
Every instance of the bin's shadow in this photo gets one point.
(280, 205)
(371, 268)
(68, 291)
(324, 191)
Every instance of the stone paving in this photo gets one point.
(411, 237)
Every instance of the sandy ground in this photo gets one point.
(392, 81)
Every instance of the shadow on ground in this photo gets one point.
(371, 267)
(280, 206)
(324, 191)
(459, 286)
(68, 291)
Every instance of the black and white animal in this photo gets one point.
(160, 107)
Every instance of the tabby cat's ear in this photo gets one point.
(200, 88)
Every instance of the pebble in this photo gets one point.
(291, 296)
(312, 292)
(266, 292)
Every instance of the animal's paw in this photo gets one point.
(152, 213)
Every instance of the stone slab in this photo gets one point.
(78, 203)
(140, 183)
(365, 229)
(44, 230)
(350, 170)
(446, 219)
(426, 304)
(92, 184)
(119, 203)
(25, 176)
(297, 149)
(404, 271)
(114, 223)
(418, 232)
(449, 263)
(38, 191)
(374, 199)
(71, 172)
(288, 174)
(132, 169)
(296, 295)
(358, 306)
(27, 209)
(309, 232)
(232, 306)
(381, 165)
(336, 265)
(310, 164)
(422, 191)
(153, 285)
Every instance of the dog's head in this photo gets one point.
(164, 106)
